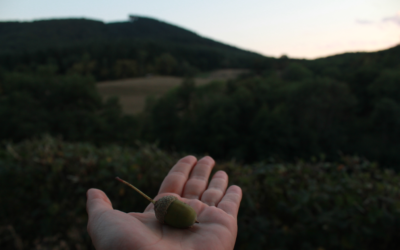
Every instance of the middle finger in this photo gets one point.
(198, 179)
(177, 177)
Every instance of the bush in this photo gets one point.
(320, 205)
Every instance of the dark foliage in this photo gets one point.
(288, 111)
(320, 205)
(67, 106)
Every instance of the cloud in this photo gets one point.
(364, 22)
(390, 19)
(395, 19)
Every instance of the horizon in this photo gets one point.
(127, 20)
(307, 30)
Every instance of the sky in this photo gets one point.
(296, 28)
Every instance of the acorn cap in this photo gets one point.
(161, 207)
(175, 213)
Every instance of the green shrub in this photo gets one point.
(43, 186)
(319, 206)
(351, 205)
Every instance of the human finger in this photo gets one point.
(216, 189)
(97, 203)
(198, 179)
(177, 176)
(231, 201)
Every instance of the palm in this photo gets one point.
(216, 211)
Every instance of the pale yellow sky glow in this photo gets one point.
(299, 29)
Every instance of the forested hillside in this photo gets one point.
(114, 50)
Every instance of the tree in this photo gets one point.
(67, 106)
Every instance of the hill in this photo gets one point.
(344, 65)
(114, 50)
(44, 34)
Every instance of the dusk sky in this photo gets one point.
(299, 29)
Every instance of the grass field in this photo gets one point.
(133, 92)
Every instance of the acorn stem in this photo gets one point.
(140, 192)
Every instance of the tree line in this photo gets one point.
(288, 111)
(288, 115)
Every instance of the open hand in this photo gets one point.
(215, 205)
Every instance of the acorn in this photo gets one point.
(169, 210)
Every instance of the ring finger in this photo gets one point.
(216, 190)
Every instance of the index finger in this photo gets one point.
(177, 177)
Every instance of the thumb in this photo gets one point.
(97, 203)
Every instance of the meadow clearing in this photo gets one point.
(132, 92)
